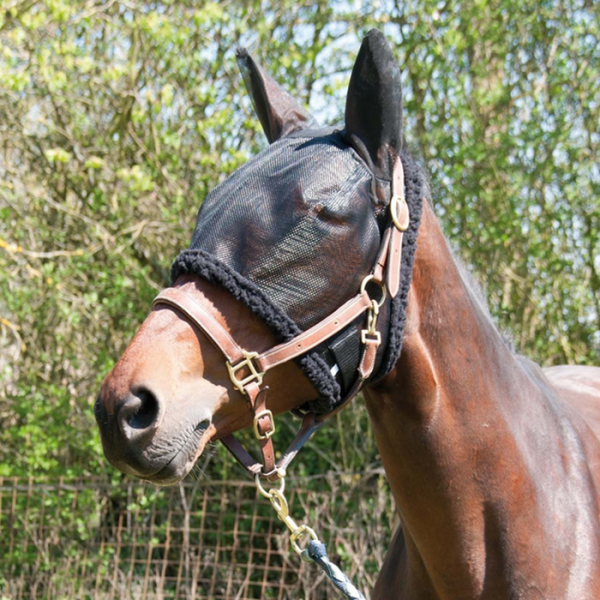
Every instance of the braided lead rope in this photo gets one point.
(316, 552)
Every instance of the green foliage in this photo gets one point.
(116, 119)
(505, 109)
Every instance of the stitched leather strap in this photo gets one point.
(277, 355)
(382, 257)
(400, 220)
(317, 334)
(196, 313)
(367, 363)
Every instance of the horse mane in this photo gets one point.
(476, 290)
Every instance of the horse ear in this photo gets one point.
(278, 112)
(374, 105)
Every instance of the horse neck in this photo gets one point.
(437, 410)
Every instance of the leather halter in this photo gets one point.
(247, 368)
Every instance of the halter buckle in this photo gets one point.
(256, 425)
(255, 374)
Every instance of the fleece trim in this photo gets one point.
(414, 191)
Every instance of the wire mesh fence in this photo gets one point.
(94, 539)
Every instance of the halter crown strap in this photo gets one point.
(247, 369)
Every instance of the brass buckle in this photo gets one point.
(255, 374)
(394, 205)
(268, 434)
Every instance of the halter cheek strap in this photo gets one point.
(247, 369)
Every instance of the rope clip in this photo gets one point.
(280, 504)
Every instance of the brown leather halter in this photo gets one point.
(247, 368)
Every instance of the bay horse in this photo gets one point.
(493, 462)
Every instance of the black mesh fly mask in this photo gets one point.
(295, 234)
(292, 234)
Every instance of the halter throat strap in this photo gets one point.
(247, 368)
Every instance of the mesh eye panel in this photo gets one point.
(297, 220)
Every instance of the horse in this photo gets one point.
(322, 258)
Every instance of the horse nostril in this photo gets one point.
(147, 412)
(139, 413)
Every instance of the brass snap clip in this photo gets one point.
(371, 331)
(280, 504)
(373, 311)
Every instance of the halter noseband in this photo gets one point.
(247, 369)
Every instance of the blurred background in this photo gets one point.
(117, 117)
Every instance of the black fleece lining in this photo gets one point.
(414, 194)
(199, 262)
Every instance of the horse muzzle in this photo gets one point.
(140, 439)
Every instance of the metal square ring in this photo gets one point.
(371, 335)
(255, 374)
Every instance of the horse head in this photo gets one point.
(281, 244)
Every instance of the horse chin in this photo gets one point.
(184, 459)
(165, 461)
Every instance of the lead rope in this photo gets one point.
(315, 550)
